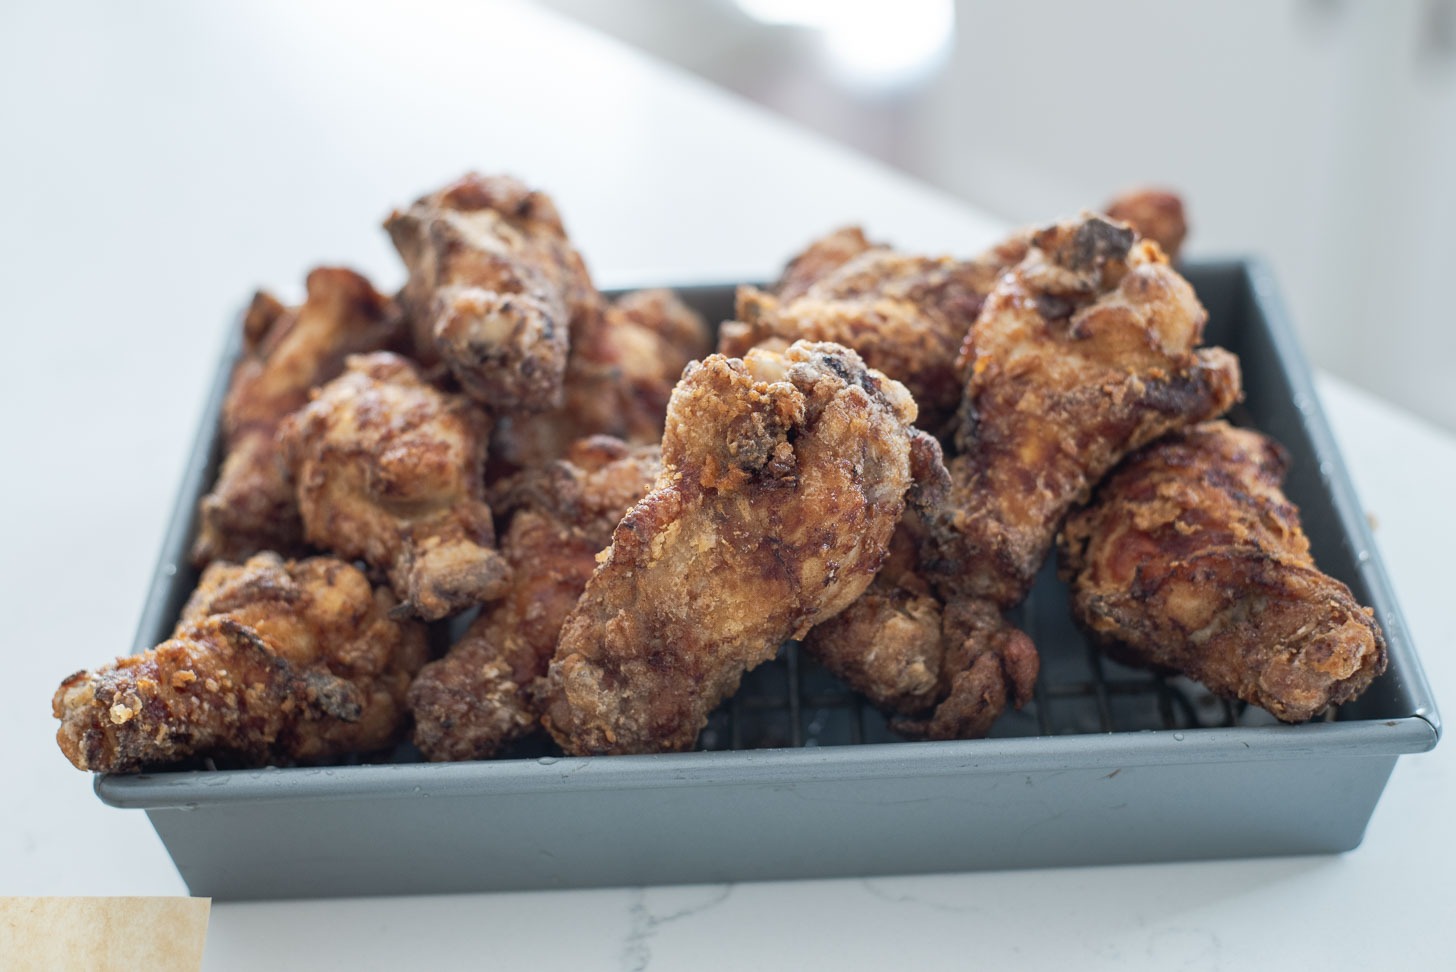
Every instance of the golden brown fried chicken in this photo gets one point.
(783, 478)
(821, 258)
(1083, 353)
(905, 315)
(478, 698)
(621, 372)
(286, 352)
(1080, 354)
(390, 470)
(897, 644)
(887, 644)
(495, 288)
(1155, 214)
(945, 671)
(942, 671)
(1190, 558)
(271, 662)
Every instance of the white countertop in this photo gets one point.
(164, 160)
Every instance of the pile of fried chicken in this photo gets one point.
(875, 462)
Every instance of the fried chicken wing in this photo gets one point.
(1155, 214)
(783, 478)
(478, 697)
(286, 351)
(623, 366)
(1083, 353)
(821, 258)
(272, 662)
(390, 470)
(495, 289)
(1191, 559)
(943, 671)
(906, 315)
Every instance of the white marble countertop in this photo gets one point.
(164, 160)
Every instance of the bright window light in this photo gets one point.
(870, 43)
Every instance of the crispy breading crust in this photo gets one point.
(821, 258)
(272, 662)
(479, 697)
(1190, 558)
(783, 478)
(623, 366)
(944, 671)
(906, 315)
(1086, 351)
(390, 470)
(495, 289)
(286, 352)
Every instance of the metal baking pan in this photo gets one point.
(796, 779)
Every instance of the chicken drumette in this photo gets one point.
(1083, 353)
(495, 289)
(478, 698)
(906, 315)
(390, 470)
(623, 366)
(1191, 559)
(286, 352)
(272, 662)
(783, 477)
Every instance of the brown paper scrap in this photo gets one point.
(157, 934)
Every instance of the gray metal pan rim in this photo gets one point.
(768, 767)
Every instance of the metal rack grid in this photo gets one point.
(793, 702)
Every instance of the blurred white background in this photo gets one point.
(1320, 134)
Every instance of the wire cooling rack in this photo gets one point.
(793, 702)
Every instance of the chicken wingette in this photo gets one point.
(1191, 559)
(272, 662)
(286, 352)
(391, 470)
(495, 289)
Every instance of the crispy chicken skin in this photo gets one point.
(286, 351)
(1083, 353)
(906, 315)
(887, 644)
(1155, 214)
(1190, 558)
(783, 478)
(272, 662)
(942, 671)
(390, 470)
(478, 698)
(495, 289)
(623, 366)
(821, 258)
